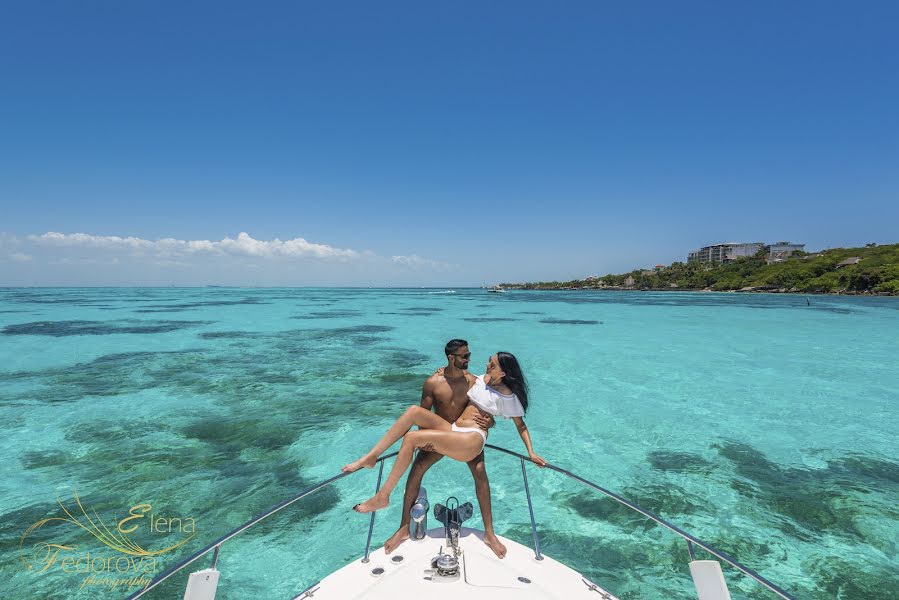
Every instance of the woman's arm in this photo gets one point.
(526, 438)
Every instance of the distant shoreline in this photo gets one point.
(869, 271)
(508, 287)
(694, 291)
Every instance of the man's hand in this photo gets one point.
(484, 421)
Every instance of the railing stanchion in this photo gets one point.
(690, 550)
(215, 557)
(527, 492)
(371, 523)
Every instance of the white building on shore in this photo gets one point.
(721, 253)
(725, 252)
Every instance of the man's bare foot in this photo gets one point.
(374, 503)
(497, 546)
(401, 535)
(365, 461)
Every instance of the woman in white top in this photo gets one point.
(502, 392)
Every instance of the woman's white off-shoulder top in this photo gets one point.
(493, 402)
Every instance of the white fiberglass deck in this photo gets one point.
(483, 575)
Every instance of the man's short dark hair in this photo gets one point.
(453, 345)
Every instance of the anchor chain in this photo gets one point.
(454, 530)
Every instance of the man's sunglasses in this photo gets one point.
(465, 356)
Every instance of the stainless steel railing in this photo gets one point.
(217, 544)
(691, 540)
(687, 537)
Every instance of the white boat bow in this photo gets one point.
(408, 573)
(430, 567)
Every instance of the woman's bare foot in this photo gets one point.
(374, 503)
(401, 535)
(365, 461)
(497, 546)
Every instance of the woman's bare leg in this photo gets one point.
(461, 446)
(414, 415)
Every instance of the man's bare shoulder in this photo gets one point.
(433, 381)
(471, 378)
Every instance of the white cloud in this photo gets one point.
(7, 239)
(56, 258)
(414, 261)
(85, 261)
(297, 247)
(90, 241)
(244, 245)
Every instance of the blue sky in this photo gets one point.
(439, 144)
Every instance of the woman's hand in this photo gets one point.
(438, 372)
(538, 460)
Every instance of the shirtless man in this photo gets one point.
(447, 394)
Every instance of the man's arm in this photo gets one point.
(484, 420)
(427, 393)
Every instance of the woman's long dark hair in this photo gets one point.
(514, 378)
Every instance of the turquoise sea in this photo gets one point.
(763, 424)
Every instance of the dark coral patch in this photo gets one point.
(113, 375)
(330, 314)
(602, 508)
(14, 522)
(357, 329)
(229, 335)
(857, 466)
(679, 462)
(840, 578)
(51, 458)
(570, 322)
(68, 328)
(664, 500)
(489, 319)
(812, 501)
(400, 358)
(205, 303)
(238, 433)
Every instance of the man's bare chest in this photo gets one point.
(450, 401)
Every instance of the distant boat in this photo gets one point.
(496, 289)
